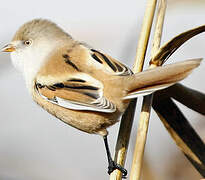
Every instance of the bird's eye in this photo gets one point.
(27, 42)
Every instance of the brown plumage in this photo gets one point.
(83, 87)
(114, 87)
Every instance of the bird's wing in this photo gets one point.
(77, 93)
(112, 65)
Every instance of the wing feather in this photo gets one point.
(111, 64)
(76, 94)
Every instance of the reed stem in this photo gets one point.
(127, 118)
(147, 102)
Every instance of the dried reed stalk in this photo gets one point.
(177, 125)
(191, 98)
(157, 59)
(181, 131)
(127, 118)
(147, 101)
(171, 46)
(144, 36)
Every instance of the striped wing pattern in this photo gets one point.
(111, 64)
(76, 94)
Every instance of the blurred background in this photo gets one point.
(36, 146)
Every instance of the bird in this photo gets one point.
(82, 86)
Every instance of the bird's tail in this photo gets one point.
(151, 80)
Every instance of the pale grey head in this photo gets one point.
(32, 43)
(39, 28)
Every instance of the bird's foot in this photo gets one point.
(113, 165)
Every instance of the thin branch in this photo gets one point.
(144, 35)
(142, 129)
(123, 139)
(159, 27)
(127, 119)
(147, 102)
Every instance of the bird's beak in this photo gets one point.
(8, 48)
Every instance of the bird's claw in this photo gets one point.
(112, 166)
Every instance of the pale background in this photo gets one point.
(36, 146)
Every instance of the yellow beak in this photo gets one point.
(8, 48)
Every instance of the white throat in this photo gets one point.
(30, 60)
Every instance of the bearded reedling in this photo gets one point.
(83, 87)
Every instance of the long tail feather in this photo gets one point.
(151, 80)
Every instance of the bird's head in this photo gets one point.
(33, 42)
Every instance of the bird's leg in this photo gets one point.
(111, 164)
